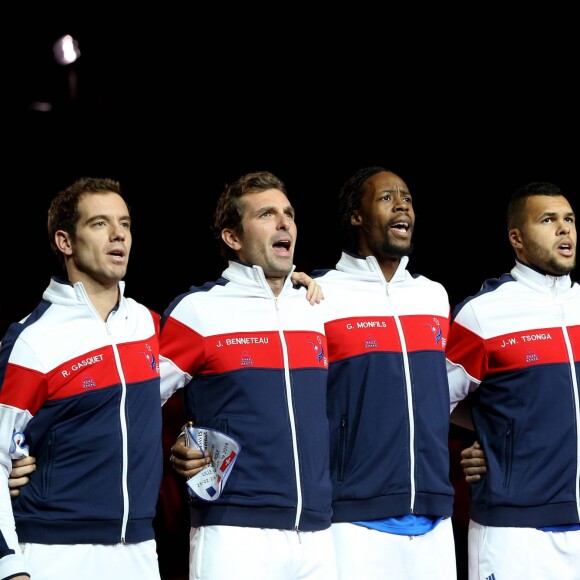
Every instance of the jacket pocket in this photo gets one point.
(343, 438)
(508, 453)
(47, 472)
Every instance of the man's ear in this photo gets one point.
(355, 219)
(515, 238)
(231, 239)
(63, 243)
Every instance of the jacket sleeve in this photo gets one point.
(11, 560)
(181, 355)
(22, 392)
(466, 356)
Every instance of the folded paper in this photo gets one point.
(209, 483)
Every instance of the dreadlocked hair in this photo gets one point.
(349, 201)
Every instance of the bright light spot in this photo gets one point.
(66, 50)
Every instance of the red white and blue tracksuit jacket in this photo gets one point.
(388, 397)
(253, 365)
(84, 396)
(517, 345)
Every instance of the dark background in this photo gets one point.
(175, 104)
(465, 103)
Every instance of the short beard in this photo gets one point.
(555, 268)
(547, 262)
(388, 250)
(384, 248)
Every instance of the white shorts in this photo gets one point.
(226, 552)
(513, 553)
(92, 561)
(366, 553)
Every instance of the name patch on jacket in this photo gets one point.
(28, 388)
(228, 352)
(510, 352)
(357, 335)
(513, 351)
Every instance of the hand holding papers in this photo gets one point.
(209, 483)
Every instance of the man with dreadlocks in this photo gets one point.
(388, 395)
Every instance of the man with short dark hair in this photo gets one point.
(514, 348)
(79, 390)
(250, 355)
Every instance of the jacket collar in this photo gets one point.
(369, 268)
(251, 275)
(61, 291)
(533, 276)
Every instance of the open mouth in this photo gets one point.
(565, 249)
(283, 248)
(118, 254)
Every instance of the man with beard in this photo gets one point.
(515, 346)
(387, 392)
